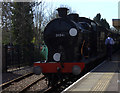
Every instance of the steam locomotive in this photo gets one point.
(71, 40)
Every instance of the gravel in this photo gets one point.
(39, 86)
(15, 74)
(18, 86)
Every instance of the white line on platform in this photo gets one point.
(82, 77)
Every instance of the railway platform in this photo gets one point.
(104, 78)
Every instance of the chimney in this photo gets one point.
(62, 12)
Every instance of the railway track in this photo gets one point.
(21, 84)
(5, 85)
(31, 84)
(60, 86)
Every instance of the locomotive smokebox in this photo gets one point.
(62, 11)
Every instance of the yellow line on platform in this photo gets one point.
(103, 83)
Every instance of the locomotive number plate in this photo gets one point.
(60, 35)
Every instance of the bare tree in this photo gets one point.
(39, 18)
(51, 13)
